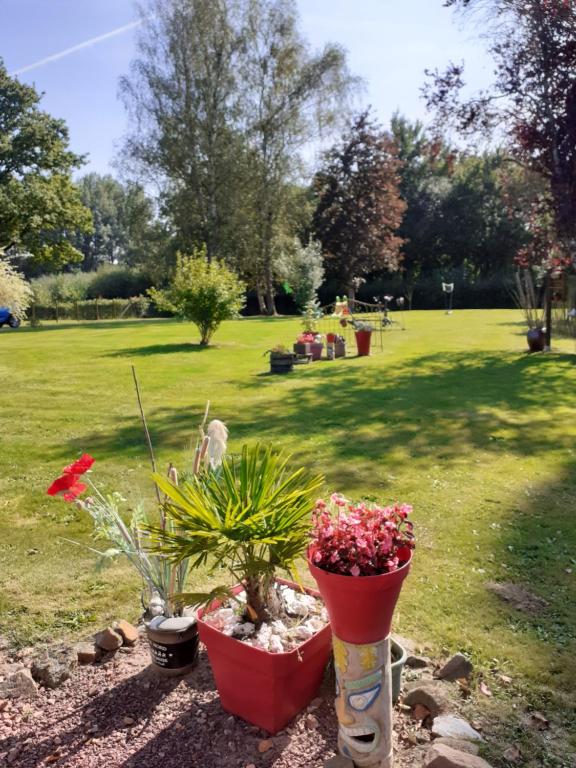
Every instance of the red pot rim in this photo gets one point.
(240, 588)
(351, 579)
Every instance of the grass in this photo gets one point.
(452, 417)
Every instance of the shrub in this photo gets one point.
(302, 267)
(15, 292)
(111, 282)
(204, 293)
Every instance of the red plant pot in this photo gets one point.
(266, 689)
(363, 342)
(360, 607)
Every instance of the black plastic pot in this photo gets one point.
(281, 362)
(536, 339)
(173, 644)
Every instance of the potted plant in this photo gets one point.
(360, 555)
(173, 638)
(250, 522)
(337, 343)
(281, 360)
(526, 297)
(311, 315)
(363, 333)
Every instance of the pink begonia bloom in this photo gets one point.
(355, 571)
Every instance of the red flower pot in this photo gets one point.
(266, 689)
(363, 342)
(360, 607)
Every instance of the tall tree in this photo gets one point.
(123, 219)
(359, 207)
(533, 97)
(39, 205)
(183, 98)
(291, 96)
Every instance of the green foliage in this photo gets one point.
(123, 219)
(39, 204)
(206, 293)
(91, 309)
(302, 268)
(253, 519)
(15, 292)
(108, 282)
(311, 315)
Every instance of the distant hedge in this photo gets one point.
(90, 309)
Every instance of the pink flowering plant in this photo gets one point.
(360, 539)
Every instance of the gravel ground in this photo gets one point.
(121, 713)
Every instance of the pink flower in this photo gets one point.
(355, 571)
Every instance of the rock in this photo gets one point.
(453, 727)
(108, 639)
(87, 653)
(53, 666)
(512, 754)
(128, 632)
(315, 704)
(265, 745)
(420, 713)
(460, 745)
(128, 720)
(430, 695)
(339, 762)
(19, 685)
(455, 669)
(312, 722)
(418, 662)
(441, 756)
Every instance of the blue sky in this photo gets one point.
(390, 43)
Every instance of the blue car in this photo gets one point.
(7, 318)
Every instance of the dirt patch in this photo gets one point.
(518, 596)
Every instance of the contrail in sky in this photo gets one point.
(79, 47)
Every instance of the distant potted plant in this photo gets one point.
(250, 522)
(526, 296)
(337, 343)
(281, 359)
(173, 638)
(359, 556)
(311, 315)
(363, 333)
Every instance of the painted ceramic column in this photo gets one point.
(364, 702)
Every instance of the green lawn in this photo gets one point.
(452, 417)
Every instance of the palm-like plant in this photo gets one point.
(251, 518)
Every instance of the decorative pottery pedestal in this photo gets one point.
(360, 610)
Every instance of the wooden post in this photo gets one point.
(548, 299)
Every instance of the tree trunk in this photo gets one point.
(270, 302)
(261, 302)
(263, 599)
(548, 300)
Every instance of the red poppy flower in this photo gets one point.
(80, 466)
(68, 485)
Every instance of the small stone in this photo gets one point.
(458, 667)
(441, 756)
(339, 762)
(108, 639)
(13, 755)
(460, 745)
(53, 666)
(512, 754)
(430, 695)
(128, 720)
(418, 662)
(453, 727)
(93, 692)
(87, 653)
(265, 745)
(315, 704)
(128, 631)
(312, 722)
(420, 713)
(18, 685)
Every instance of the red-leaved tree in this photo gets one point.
(359, 208)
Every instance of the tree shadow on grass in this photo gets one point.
(160, 349)
(440, 405)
